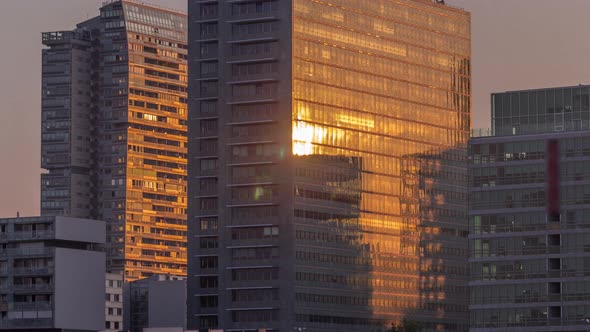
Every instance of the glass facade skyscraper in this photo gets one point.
(528, 239)
(327, 165)
(114, 123)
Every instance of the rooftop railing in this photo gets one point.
(481, 132)
(65, 35)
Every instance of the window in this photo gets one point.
(208, 50)
(208, 203)
(209, 68)
(208, 127)
(208, 164)
(208, 243)
(208, 282)
(208, 11)
(209, 262)
(208, 29)
(209, 301)
(208, 223)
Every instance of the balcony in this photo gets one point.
(33, 270)
(269, 136)
(32, 288)
(254, 160)
(31, 235)
(252, 243)
(251, 37)
(207, 212)
(240, 78)
(204, 192)
(28, 306)
(208, 93)
(208, 35)
(208, 172)
(207, 311)
(253, 221)
(236, 181)
(254, 284)
(24, 324)
(26, 252)
(208, 132)
(240, 262)
(260, 16)
(518, 275)
(249, 57)
(262, 201)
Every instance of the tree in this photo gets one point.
(406, 326)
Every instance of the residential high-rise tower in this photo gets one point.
(327, 165)
(114, 135)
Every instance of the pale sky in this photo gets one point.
(517, 44)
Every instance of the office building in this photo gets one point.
(51, 274)
(113, 303)
(158, 302)
(327, 165)
(114, 132)
(529, 218)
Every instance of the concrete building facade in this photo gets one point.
(529, 230)
(51, 274)
(327, 165)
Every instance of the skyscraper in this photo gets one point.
(114, 134)
(529, 235)
(327, 164)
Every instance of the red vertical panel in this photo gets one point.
(552, 156)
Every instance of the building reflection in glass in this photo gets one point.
(434, 210)
(379, 94)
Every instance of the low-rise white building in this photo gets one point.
(51, 274)
(113, 302)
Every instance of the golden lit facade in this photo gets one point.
(329, 171)
(143, 138)
(115, 132)
(386, 83)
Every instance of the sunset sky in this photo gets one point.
(517, 44)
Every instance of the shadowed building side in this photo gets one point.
(301, 114)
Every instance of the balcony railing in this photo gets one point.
(26, 306)
(481, 132)
(33, 270)
(536, 250)
(33, 288)
(533, 322)
(29, 235)
(26, 252)
(24, 324)
(519, 275)
(207, 192)
(532, 298)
